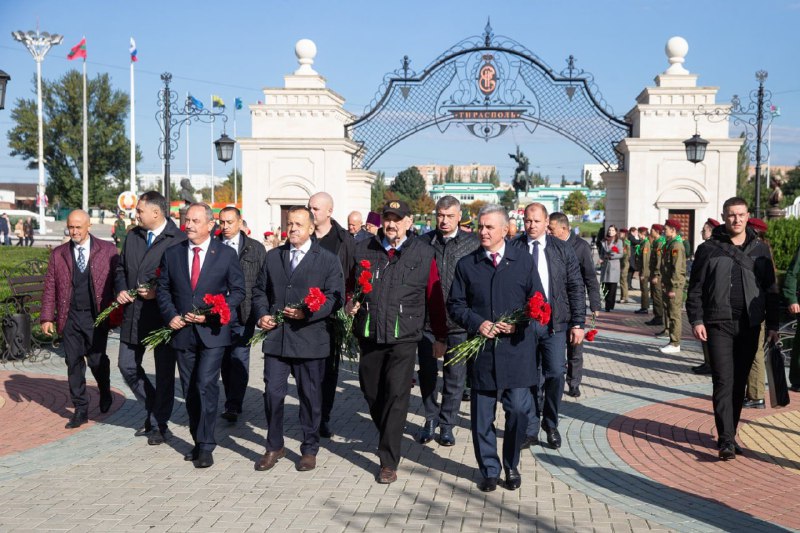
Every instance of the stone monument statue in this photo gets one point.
(187, 195)
(522, 180)
(775, 198)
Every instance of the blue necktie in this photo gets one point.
(149, 238)
(535, 254)
(81, 259)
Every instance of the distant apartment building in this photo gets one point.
(595, 171)
(472, 173)
(466, 193)
(148, 182)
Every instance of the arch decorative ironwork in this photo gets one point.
(487, 85)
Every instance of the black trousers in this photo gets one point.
(83, 342)
(236, 367)
(308, 376)
(731, 348)
(611, 295)
(574, 364)
(546, 395)
(483, 406)
(159, 400)
(199, 369)
(385, 372)
(453, 378)
(329, 383)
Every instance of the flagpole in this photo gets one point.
(85, 144)
(235, 188)
(133, 134)
(212, 154)
(188, 152)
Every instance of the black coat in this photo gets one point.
(583, 251)
(220, 274)
(277, 287)
(345, 246)
(251, 258)
(137, 265)
(480, 292)
(567, 293)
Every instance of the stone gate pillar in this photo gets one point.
(658, 180)
(299, 147)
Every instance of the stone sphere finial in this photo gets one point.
(306, 51)
(676, 50)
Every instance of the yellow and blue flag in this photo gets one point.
(216, 101)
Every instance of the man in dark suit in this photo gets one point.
(141, 254)
(491, 281)
(78, 285)
(196, 267)
(236, 362)
(559, 227)
(301, 344)
(563, 286)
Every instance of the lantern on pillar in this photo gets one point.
(695, 148)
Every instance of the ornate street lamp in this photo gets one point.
(38, 44)
(170, 118)
(752, 118)
(4, 79)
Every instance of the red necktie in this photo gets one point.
(195, 266)
(495, 259)
(391, 252)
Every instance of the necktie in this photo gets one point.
(195, 266)
(391, 252)
(295, 259)
(495, 259)
(81, 259)
(149, 238)
(535, 254)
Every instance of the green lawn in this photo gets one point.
(12, 259)
(589, 229)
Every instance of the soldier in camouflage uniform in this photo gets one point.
(656, 243)
(673, 279)
(643, 267)
(624, 265)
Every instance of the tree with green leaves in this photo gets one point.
(509, 200)
(791, 187)
(108, 144)
(599, 205)
(450, 176)
(576, 203)
(377, 192)
(587, 180)
(494, 177)
(563, 180)
(409, 184)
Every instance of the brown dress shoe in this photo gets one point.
(269, 459)
(306, 463)
(387, 475)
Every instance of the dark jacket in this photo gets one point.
(57, 293)
(447, 257)
(138, 265)
(251, 258)
(566, 293)
(278, 287)
(480, 292)
(345, 247)
(362, 235)
(708, 299)
(405, 290)
(220, 274)
(583, 252)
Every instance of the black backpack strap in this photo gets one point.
(739, 257)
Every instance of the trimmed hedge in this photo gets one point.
(784, 238)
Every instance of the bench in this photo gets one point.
(22, 336)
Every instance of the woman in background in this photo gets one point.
(610, 251)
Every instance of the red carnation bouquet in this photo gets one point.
(215, 304)
(536, 308)
(615, 249)
(116, 319)
(344, 339)
(592, 333)
(313, 301)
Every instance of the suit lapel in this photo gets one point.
(308, 259)
(285, 260)
(186, 246)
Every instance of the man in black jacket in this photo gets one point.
(732, 290)
(337, 240)
(561, 276)
(449, 244)
(236, 361)
(559, 227)
(141, 255)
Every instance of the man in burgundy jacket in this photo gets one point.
(79, 284)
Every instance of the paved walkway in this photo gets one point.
(638, 455)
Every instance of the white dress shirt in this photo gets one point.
(85, 246)
(500, 254)
(203, 251)
(302, 251)
(233, 243)
(541, 262)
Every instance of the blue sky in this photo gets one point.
(237, 48)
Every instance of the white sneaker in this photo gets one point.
(670, 348)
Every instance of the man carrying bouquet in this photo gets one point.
(141, 255)
(190, 271)
(298, 336)
(492, 282)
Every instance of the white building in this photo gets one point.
(466, 193)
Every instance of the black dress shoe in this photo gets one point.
(446, 437)
(79, 418)
(192, 455)
(467, 395)
(655, 321)
(795, 388)
(230, 415)
(513, 479)
(528, 442)
(702, 370)
(737, 448)
(156, 437)
(204, 460)
(553, 438)
(105, 400)
(428, 432)
(325, 431)
(642, 311)
(575, 392)
(727, 452)
(754, 404)
(146, 427)
(489, 484)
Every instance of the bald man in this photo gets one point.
(334, 238)
(355, 226)
(79, 284)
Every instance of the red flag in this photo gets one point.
(79, 50)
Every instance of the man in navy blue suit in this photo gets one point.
(494, 280)
(189, 271)
(301, 344)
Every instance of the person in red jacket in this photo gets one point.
(78, 285)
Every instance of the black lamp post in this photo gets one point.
(170, 118)
(4, 79)
(752, 117)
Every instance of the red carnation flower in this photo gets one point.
(365, 264)
(315, 299)
(366, 287)
(538, 309)
(615, 249)
(219, 307)
(115, 318)
(590, 335)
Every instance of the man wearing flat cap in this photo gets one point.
(673, 279)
